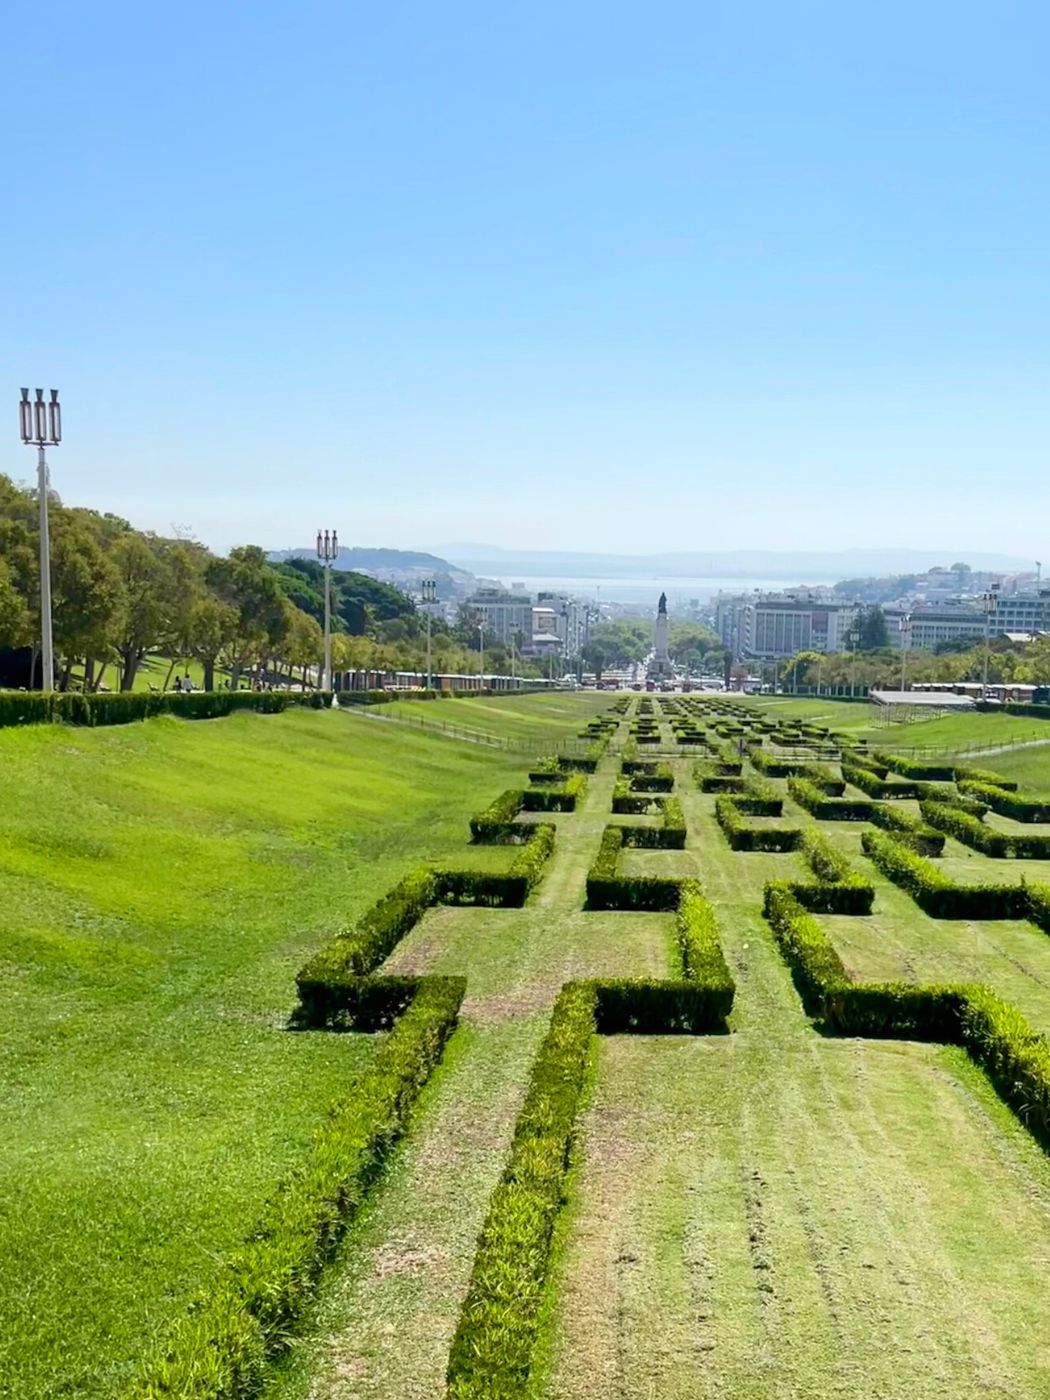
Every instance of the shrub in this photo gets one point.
(868, 781)
(219, 1350)
(606, 889)
(935, 893)
(1015, 1058)
(969, 830)
(982, 775)
(360, 950)
(1009, 804)
(742, 837)
(561, 799)
(822, 778)
(910, 768)
(491, 1354)
(497, 823)
(908, 830)
(825, 808)
(815, 966)
(701, 949)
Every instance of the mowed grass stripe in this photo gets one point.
(853, 1220)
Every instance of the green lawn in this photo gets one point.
(762, 1214)
(554, 716)
(947, 733)
(161, 882)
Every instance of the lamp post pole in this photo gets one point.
(905, 638)
(41, 427)
(481, 654)
(991, 602)
(429, 598)
(327, 551)
(854, 638)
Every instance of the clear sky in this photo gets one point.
(585, 275)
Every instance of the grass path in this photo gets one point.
(404, 1274)
(772, 1215)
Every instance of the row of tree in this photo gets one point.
(121, 594)
(1020, 663)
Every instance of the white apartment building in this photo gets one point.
(770, 628)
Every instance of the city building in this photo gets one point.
(771, 627)
(507, 616)
(553, 622)
(929, 627)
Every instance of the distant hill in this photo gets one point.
(810, 565)
(404, 568)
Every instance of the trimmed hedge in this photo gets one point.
(742, 837)
(944, 793)
(823, 778)
(220, 1349)
(668, 836)
(825, 808)
(890, 1009)
(561, 799)
(1009, 804)
(971, 831)
(361, 950)
(990, 842)
(1014, 1057)
(939, 896)
(606, 889)
(492, 1350)
(702, 957)
(815, 966)
(635, 1006)
(982, 775)
(126, 707)
(996, 1035)
(759, 799)
(660, 779)
(909, 830)
(868, 781)
(910, 768)
(497, 824)
(328, 981)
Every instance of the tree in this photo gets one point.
(874, 634)
(15, 623)
(596, 656)
(146, 599)
(85, 590)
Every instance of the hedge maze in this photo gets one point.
(831, 831)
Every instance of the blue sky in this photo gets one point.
(589, 276)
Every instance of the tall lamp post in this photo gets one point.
(905, 639)
(991, 603)
(481, 649)
(41, 425)
(429, 588)
(327, 552)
